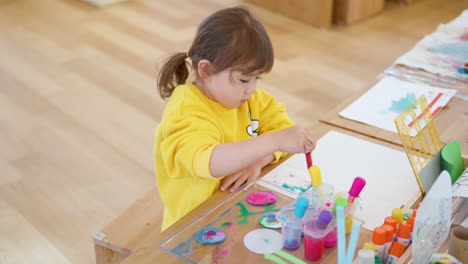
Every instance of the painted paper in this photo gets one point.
(443, 52)
(386, 100)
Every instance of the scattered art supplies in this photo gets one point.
(386, 100)
(389, 179)
(317, 218)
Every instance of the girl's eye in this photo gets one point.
(244, 81)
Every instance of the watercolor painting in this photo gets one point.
(382, 103)
(443, 52)
(400, 105)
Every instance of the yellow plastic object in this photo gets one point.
(348, 224)
(370, 246)
(419, 136)
(315, 175)
(397, 213)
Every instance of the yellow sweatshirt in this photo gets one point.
(191, 126)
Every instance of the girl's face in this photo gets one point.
(230, 88)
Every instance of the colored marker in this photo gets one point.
(395, 253)
(404, 233)
(379, 238)
(292, 229)
(389, 231)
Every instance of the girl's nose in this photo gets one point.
(251, 88)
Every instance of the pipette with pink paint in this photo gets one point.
(354, 191)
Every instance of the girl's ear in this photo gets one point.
(204, 69)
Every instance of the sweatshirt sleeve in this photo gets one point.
(188, 143)
(273, 117)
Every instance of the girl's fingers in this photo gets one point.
(312, 142)
(250, 182)
(228, 182)
(308, 147)
(238, 183)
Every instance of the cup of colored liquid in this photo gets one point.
(315, 230)
(291, 232)
(291, 217)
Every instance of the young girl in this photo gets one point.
(219, 127)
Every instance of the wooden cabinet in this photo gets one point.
(314, 12)
(349, 11)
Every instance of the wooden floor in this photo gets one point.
(79, 106)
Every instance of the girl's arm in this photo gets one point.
(229, 158)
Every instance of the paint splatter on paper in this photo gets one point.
(398, 106)
(290, 178)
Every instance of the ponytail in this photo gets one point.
(174, 72)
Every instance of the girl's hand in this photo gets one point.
(248, 174)
(296, 139)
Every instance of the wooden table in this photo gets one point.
(147, 250)
(452, 123)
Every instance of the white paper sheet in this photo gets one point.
(341, 158)
(386, 100)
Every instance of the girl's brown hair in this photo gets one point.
(229, 38)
